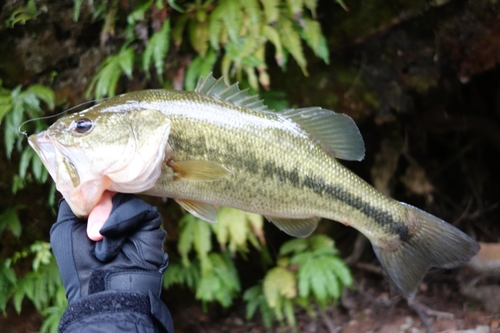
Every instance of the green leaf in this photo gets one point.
(172, 4)
(215, 27)
(254, 14)
(9, 219)
(44, 93)
(193, 73)
(157, 49)
(273, 36)
(178, 29)
(110, 71)
(126, 61)
(291, 41)
(76, 9)
(26, 156)
(198, 35)
(139, 13)
(271, 10)
(321, 241)
(195, 233)
(18, 296)
(180, 274)
(207, 63)
(295, 7)
(313, 36)
(294, 246)
(279, 282)
(289, 313)
(311, 5)
(232, 17)
(342, 271)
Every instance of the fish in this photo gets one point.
(220, 146)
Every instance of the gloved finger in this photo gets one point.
(129, 213)
(99, 215)
(63, 246)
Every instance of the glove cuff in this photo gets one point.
(115, 302)
(126, 280)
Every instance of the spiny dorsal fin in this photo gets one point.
(218, 88)
(337, 133)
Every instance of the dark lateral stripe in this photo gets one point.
(249, 163)
(382, 218)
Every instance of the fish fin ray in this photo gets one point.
(199, 170)
(337, 133)
(201, 210)
(436, 243)
(233, 94)
(294, 226)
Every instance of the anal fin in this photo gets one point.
(201, 210)
(295, 227)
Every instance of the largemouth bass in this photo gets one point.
(220, 146)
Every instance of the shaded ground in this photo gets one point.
(369, 308)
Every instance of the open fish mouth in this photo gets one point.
(45, 148)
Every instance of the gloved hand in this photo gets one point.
(119, 277)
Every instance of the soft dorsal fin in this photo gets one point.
(337, 133)
(219, 89)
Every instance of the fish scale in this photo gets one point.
(219, 146)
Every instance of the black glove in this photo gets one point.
(117, 281)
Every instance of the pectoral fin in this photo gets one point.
(199, 209)
(199, 170)
(295, 227)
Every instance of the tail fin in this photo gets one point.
(435, 243)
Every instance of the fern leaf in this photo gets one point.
(126, 61)
(192, 73)
(157, 49)
(201, 238)
(291, 41)
(43, 93)
(254, 14)
(178, 29)
(186, 237)
(208, 63)
(289, 313)
(279, 282)
(198, 35)
(321, 241)
(313, 36)
(273, 36)
(271, 10)
(342, 271)
(297, 245)
(215, 27)
(311, 5)
(295, 7)
(232, 17)
(226, 66)
(253, 298)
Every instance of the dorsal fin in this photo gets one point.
(219, 89)
(337, 133)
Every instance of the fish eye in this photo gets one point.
(83, 125)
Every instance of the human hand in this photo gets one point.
(126, 265)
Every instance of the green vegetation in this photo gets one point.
(227, 36)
